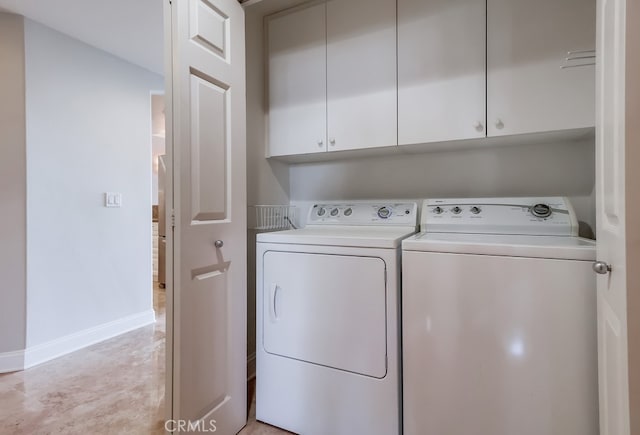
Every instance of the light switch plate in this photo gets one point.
(112, 199)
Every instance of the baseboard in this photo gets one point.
(11, 361)
(34, 355)
(251, 366)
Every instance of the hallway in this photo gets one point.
(116, 386)
(113, 387)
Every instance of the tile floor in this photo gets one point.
(113, 387)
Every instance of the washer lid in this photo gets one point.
(333, 235)
(558, 247)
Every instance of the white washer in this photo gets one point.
(499, 320)
(328, 320)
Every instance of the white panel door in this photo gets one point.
(610, 212)
(207, 312)
(441, 70)
(329, 310)
(297, 50)
(527, 43)
(361, 74)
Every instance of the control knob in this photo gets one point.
(541, 210)
(456, 210)
(438, 210)
(322, 211)
(384, 212)
(475, 210)
(348, 212)
(335, 212)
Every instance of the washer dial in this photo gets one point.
(384, 212)
(348, 212)
(321, 211)
(335, 212)
(541, 210)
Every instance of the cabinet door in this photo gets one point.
(441, 70)
(297, 82)
(361, 74)
(528, 43)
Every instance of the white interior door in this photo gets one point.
(610, 209)
(207, 309)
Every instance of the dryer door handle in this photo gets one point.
(273, 295)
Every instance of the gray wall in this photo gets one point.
(267, 181)
(88, 132)
(559, 168)
(13, 184)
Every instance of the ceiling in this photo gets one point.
(129, 29)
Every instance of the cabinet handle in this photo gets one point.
(320, 142)
(499, 124)
(478, 126)
(332, 141)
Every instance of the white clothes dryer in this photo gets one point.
(328, 320)
(499, 320)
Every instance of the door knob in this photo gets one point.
(478, 126)
(320, 142)
(499, 124)
(218, 244)
(601, 267)
(332, 141)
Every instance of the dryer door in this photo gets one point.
(326, 309)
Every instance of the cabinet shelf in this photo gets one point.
(547, 137)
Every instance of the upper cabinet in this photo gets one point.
(534, 82)
(332, 77)
(441, 70)
(297, 80)
(361, 74)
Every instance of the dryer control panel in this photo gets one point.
(553, 216)
(364, 213)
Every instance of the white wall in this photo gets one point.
(158, 146)
(267, 181)
(560, 168)
(88, 132)
(12, 186)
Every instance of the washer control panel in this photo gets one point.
(364, 213)
(533, 216)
